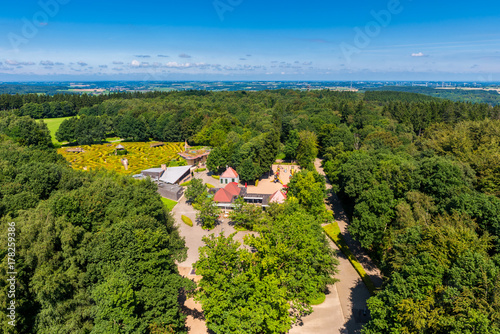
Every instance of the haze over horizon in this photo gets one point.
(249, 40)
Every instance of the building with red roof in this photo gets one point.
(230, 175)
(227, 194)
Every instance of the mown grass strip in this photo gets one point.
(333, 231)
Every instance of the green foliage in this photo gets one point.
(208, 212)
(245, 215)
(26, 131)
(247, 170)
(198, 170)
(195, 188)
(217, 177)
(307, 150)
(292, 267)
(186, 220)
(309, 188)
(80, 250)
(291, 145)
(236, 298)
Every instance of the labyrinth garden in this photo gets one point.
(140, 156)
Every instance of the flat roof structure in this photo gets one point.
(174, 174)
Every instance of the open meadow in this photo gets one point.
(140, 156)
(53, 124)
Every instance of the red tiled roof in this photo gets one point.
(223, 196)
(230, 173)
(233, 189)
(226, 194)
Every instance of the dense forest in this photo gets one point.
(419, 176)
(94, 252)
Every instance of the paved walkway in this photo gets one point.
(334, 203)
(344, 310)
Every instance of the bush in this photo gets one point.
(198, 170)
(333, 231)
(217, 177)
(318, 300)
(185, 184)
(256, 183)
(187, 220)
(209, 186)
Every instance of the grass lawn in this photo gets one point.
(53, 125)
(168, 203)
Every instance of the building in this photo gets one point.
(194, 157)
(225, 197)
(169, 175)
(170, 191)
(278, 197)
(230, 175)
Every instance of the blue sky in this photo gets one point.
(250, 40)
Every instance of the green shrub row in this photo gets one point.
(333, 231)
(200, 170)
(217, 177)
(256, 183)
(185, 184)
(209, 186)
(187, 220)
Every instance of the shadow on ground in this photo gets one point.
(360, 314)
(196, 314)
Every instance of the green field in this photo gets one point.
(53, 125)
(168, 203)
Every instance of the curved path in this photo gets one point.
(344, 310)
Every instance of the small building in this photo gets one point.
(170, 175)
(230, 175)
(75, 150)
(195, 157)
(170, 191)
(278, 197)
(120, 147)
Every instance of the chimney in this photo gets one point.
(163, 167)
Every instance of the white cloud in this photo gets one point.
(420, 54)
(16, 63)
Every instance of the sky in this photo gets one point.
(413, 40)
